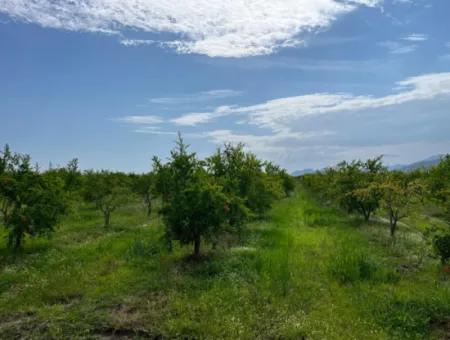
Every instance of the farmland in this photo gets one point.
(283, 279)
(225, 247)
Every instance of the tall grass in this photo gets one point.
(351, 262)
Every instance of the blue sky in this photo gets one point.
(303, 83)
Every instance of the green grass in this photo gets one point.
(306, 271)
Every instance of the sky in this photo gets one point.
(303, 83)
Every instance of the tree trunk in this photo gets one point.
(365, 212)
(197, 246)
(15, 238)
(392, 224)
(149, 208)
(168, 239)
(366, 215)
(18, 241)
(107, 215)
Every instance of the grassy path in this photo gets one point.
(307, 271)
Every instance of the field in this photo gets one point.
(306, 271)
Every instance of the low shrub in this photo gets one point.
(442, 247)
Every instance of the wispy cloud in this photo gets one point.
(395, 47)
(286, 117)
(216, 28)
(195, 118)
(197, 97)
(140, 120)
(406, 44)
(137, 42)
(278, 114)
(156, 132)
(350, 126)
(305, 64)
(190, 119)
(323, 127)
(266, 143)
(149, 130)
(416, 37)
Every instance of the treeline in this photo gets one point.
(201, 200)
(369, 187)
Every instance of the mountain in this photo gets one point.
(297, 173)
(426, 163)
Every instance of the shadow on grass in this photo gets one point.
(28, 251)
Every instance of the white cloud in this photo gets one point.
(217, 28)
(195, 118)
(192, 119)
(137, 42)
(278, 114)
(320, 128)
(416, 37)
(263, 143)
(348, 123)
(197, 97)
(140, 120)
(289, 125)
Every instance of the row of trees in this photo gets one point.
(201, 199)
(367, 187)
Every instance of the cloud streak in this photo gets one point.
(140, 120)
(197, 97)
(267, 143)
(137, 42)
(217, 28)
(416, 37)
(395, 47)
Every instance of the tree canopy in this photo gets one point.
(31, 202)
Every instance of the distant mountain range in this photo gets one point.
(426, 163)
(297, 173)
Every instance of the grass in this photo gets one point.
(307, 271)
